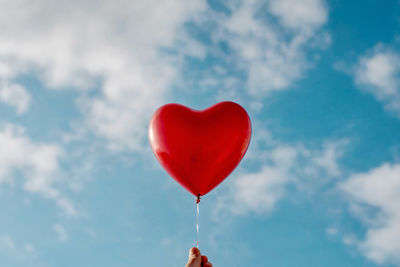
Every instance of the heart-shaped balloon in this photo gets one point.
(199, 149)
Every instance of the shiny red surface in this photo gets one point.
(199, 149)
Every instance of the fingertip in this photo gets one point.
(194, 252)
(194, 258)
(204, 259)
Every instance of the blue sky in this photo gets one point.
(79, 81)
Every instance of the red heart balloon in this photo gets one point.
(199, 149)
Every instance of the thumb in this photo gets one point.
(194, 258)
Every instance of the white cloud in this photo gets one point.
(259, 192)
(279, 166)
(61, 232)
(131, 49)
(349, 240)
(331, 231)
(273, 56)
(305, 15)
(66, 205)
(29, 248)
(378, 73)
(327, 158)
(15, 95)
(38, 164)
(8, 242)
(375, 199)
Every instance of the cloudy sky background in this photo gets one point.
(79, 81)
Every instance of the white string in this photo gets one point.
(197, 223)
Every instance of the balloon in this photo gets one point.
(199, 149)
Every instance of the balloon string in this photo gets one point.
(197, 220)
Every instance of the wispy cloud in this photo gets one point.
(15, 95)
(305, 15)
(134, 51)
(38, 163)
(259, 192)
(378, 73)
(281, 165)
(29, 248)
(374, 198)
(61, 232)
(131, 50)
(271, 55)
(331, 231)
(8, 242)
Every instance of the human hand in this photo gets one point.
(196, 260)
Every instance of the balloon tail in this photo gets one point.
(197, 220)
